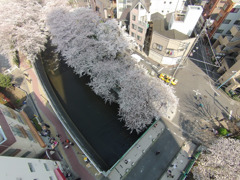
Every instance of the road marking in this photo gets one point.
(160, 69)
(197, 92)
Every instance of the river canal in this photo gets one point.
(98, 122)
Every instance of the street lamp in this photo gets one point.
(235, 72)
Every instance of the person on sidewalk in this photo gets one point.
(157, 153)
(66, 147)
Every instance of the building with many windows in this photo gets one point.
(18, 136)
(166, 46)
(225, 14)
(140, 15)
(227, 49)
(29, 169)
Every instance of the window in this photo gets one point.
(46, 167)
(225, 6)
(139, 38)
(97, 8)
(228, 32)
(140, 29)
(237, 22)
(226, 21)
(134, 26)
(32, 169)
(133, 17)
(142, 7)
(20, 119)
(7, 113)
(219, 31)
(164, 2)
(234, 10)
(11, 152)
(17, 132)
(132, 34)
(26, 154)
(136, 7)
(29, 135)
(170, 51)
(158, 47)
(218, 17)
(170, 2)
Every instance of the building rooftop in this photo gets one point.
(160, 26)
(145, 3)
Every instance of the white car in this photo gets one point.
(136, 57)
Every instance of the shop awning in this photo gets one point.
(59, 174)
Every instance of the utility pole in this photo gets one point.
(207, 24)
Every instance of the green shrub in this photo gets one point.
(37, 126)
(223, 131)
(236, 97)
(5, 81)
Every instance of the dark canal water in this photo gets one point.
(97, 122)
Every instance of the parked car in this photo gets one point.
(168, 79)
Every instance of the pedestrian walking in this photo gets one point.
(58, 135)
(66, 147)
(157, 153)
(67, 141)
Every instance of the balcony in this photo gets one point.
(224, 40)
(238, 57)
(219, 48)
(235, 30)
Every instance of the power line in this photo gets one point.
(203, 62)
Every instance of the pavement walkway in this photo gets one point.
(72, 155)
(131, 157)
(180, 162)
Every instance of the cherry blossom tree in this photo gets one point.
(222, 162)
(100, 49)
(22, 25)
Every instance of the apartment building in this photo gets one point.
(122, 5)
(18, 136)
(165, 7)
(140, 15)
(105, 8)
(228, 48)
(29, 169)
(224, 13)
(139, 21)
(167, 47)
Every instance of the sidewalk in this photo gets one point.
(136, 151)
(180, 162)
(72, 155)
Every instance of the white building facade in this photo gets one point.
(186, 22)
(165, 7)
(15, 168)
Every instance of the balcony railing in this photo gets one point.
(235, 30)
